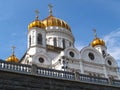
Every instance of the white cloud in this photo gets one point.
(113, 44)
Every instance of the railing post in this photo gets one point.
(110, 80)
(77, 76)
(34, 69)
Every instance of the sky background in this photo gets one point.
(81, 15)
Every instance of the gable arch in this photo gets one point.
(72, 53)
(96, 58)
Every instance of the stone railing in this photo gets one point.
(52, 73)
(55, 74)
(91, 79)
(15, 67)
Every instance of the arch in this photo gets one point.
(112, 60)
(90, 54)
(46, 59)
(72, 53)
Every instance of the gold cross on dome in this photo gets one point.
(37, 12)
(50, 8)
(13, 48)
(95, 34)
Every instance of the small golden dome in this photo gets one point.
(53, 21)
(12, 58)
(97, 41)
(36, 23)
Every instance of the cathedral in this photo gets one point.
(51, 45)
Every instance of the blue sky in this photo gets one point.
(81, 15)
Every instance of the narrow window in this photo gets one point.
(30, 40)
(55, 42)
(103, 53)
(39, 39)
(69, 43)
(63, 41)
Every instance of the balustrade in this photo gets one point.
(93, 79)
(55, 73)
(14, 67)
(27, 69)
(116, 82)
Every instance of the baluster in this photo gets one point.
(15, 67)
(52, 73)
(2, 65)
(69, 76)
(5, 66)
(56, 74)
(27, 69)
(49, 72)
(42, 71)
(18, 68)
(59, 74)
(11, 67)
(21, 68)
(46, 72)
(38, 71)
(8, 66)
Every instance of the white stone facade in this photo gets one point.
(56, 50)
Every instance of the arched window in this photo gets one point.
(39, 39)
(55, 42)
(30, 40)
(63, 41)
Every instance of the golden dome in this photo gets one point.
(12, 58)
(53, 21)
(36, 23)
(97, 41)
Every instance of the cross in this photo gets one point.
(50, 8)
(95, 34)
(13, 48)
(37, 12)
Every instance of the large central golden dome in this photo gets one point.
(53, 21)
